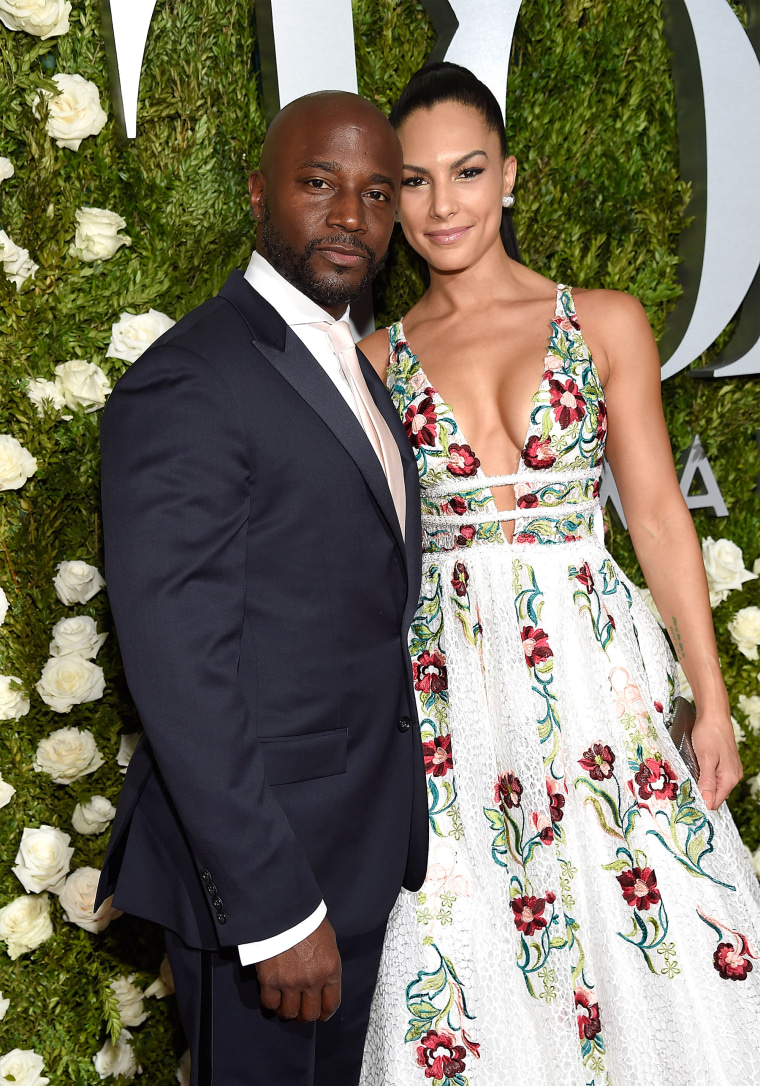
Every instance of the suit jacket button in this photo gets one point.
(222, 918)
(206, 876)
(404, 724)
(217, 903)
(211, 888)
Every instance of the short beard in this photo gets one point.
(325, 290)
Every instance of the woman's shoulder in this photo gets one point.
(609, 308)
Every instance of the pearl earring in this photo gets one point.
(508, 200)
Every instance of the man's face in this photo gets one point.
(327, 197)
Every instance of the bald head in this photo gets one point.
(325, 195)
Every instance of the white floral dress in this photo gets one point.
(585, 920)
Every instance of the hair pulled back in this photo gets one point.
(446, 82)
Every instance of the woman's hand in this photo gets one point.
(720, 767)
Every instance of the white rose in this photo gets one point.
(133, 333)
(684, 687)
(744, 628)
(724, 566)
(117, 1060)
(739, 735)
(4, 1005)
(78, 897)
(25, 923)
(163, 985)
(7, 792)
(70, 680)
(82, 384)
(43, 18)
(97, 236)
(3, 606)
(129, 1000)
(14, 701)
(68, 754)
(93, 817)
(16, 463)
(127, 749)
(43, 859)
(44, 394)
(78, 635)
(6, 166)
(22, 1067)
(648, 599)
(751, 709)
(756, 566)
(73, 114)
(17, 264)
(77, 582)
(183, 1071)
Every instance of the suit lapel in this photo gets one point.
(286, 353)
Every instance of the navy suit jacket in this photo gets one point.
(262, 594)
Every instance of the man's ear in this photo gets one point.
(257, 187)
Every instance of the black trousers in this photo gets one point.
(232, 1043)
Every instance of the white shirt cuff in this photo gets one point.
(251, 953)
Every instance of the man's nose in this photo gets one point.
(347, 211)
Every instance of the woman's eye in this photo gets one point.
(412, 182)
(471, 171)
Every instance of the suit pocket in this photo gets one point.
(294, 758)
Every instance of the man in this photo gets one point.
(261, 519)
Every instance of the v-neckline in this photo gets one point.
(438, 398)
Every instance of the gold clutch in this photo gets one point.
(682, 719)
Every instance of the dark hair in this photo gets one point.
(445, 82)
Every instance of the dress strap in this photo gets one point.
(565, 304)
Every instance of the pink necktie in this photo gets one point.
(375, 426)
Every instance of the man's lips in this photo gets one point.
(447, 237)
(342, 255)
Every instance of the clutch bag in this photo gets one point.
(682, 719)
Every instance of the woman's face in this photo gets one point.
(453, 183)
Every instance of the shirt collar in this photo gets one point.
(292, 305)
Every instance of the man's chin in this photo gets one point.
(337, 288)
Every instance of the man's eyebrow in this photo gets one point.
(381, 179)
(454, 165)
(319, 164)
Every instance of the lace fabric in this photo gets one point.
(584, 920)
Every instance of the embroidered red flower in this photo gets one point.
(462, 460)
(589, 1023)
(556, 800)
(437, 755)
(601, 420)
(657, 778)
(731, 963)
(543, 827)
(639, 887)
(420, 422)
(460, 579)
(598, 761)
(429, 671)
(567, 403)
(508, 790)
(658, 707)
(455, 505)
(529, 913)
(527, 501)
(568, 323)
(584, 576)
(537, 453)
(525, 537)
(466, 535)
(440, 1057)
(535, 645)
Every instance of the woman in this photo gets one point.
(589, 914)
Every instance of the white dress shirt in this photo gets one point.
(299, 313)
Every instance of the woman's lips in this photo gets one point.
(346, 258)
(447, 237)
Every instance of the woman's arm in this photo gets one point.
(661, 527)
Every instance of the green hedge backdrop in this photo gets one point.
(592, 121)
